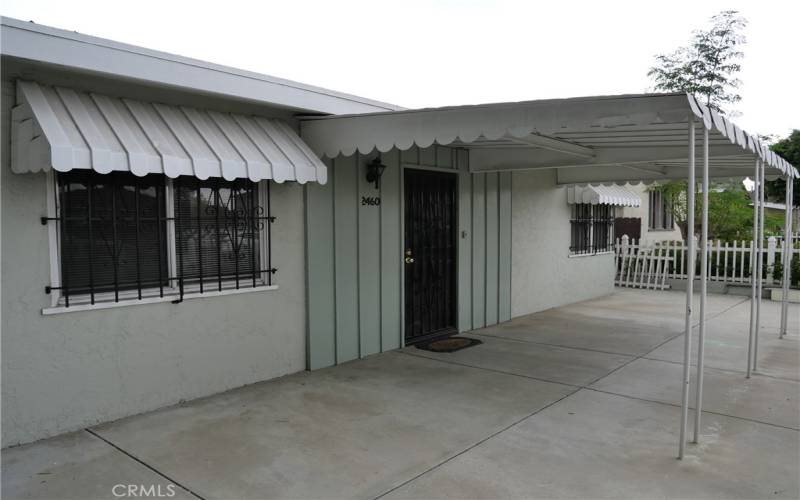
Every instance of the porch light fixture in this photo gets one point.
(374, 171)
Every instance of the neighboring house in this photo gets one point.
(173, 228)
(774, 208)
(652, 219)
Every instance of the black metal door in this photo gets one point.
(430, 254)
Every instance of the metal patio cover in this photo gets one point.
(602, 139)
(65, 129)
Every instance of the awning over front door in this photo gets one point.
(603, 195)
(597, 140)
(66, 129)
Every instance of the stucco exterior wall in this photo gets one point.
(68, 371)
(543, 275)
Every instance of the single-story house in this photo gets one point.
(775, 208)
(173, 228)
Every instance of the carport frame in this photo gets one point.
(494, 133)
(788, 248)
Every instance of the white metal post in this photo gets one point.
(788, 249)
(753, 270)
(687, 339)
(701, 335)
(760, 262)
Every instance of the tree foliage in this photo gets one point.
(789, 150)
(708, 65)
(730, 211)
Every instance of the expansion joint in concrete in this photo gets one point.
(145, 464)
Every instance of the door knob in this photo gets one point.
(409, 259)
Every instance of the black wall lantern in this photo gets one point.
(374, 171)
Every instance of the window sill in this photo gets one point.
(169, 296)
(660, 230)
(582, 255)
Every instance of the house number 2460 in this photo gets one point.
(372, 201)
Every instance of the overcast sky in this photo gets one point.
(444, 52)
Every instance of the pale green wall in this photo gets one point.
(354, 260)
(68, 371)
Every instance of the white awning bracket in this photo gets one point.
(603, 195)
(65, 129)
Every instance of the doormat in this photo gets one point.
(449, 344)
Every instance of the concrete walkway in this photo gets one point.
(578, 402)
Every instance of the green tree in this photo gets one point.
(730, 211)
(709, 65)
(789, 150)
(708, 68)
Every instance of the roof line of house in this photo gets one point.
(509, 104)
(45, 44)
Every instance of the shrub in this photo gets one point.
(777, 272)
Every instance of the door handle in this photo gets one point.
(409, 259)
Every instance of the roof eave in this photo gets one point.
(83, 53)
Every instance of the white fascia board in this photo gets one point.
(54, 46)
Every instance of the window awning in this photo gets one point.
(603, 195)
(65, 129)
(587, 140)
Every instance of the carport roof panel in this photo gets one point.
(605, 130)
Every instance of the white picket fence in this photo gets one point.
(642, 267)
(652, 265)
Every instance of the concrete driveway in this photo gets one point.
(575, 402)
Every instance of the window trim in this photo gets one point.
(582, 255)
(150, 295)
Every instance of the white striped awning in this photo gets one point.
(65, 129)
(603, 195)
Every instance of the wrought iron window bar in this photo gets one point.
(252, 220)
(592, 229)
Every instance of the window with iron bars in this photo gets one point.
(591, 229)
(659, 212)
(123, 237)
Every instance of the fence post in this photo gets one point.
(771, 245)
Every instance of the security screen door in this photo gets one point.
(430, 254)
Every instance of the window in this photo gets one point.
(592, 229)
(659, 212)
(216, 231)
(127, 237)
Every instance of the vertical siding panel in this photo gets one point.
(478, 250)
(369, 263)
(504, 250)
(427, 156)
(464, 242)
(492, 234)
(346, 251)
(391, 252)
(355, 271)
(321, 345)
(410, 156)
(444, 157)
